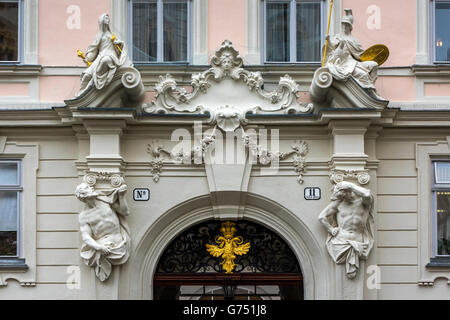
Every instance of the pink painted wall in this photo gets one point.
(14, 89)
(396, 27)
(58, 39)
(437, 89)
(227, 21)
(401, 89)
(58, 88)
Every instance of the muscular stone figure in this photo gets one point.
(349, 222)
(103, 231)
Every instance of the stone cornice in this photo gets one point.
(387, 118)
(431, 70)
(182, 72)
(20, 70)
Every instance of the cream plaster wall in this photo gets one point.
(398, 230)
(57, 230)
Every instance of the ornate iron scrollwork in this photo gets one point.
(268, 253)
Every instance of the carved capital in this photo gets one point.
(362, 176)
(115, 179)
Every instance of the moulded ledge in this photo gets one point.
(13, 264)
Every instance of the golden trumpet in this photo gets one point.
(81, 55)
(113, 37)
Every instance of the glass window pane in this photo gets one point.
(145, 31)
(277, 32)
(308, 32)
(442, 170)
(443, 222)
(8, 243)
(9, 31)
(8, 210)
(175, 31)
(442, 31)
(8, 174)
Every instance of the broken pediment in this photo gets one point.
(328, 92)
(125, 90)
(227, 92)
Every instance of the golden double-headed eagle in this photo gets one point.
(228, 246)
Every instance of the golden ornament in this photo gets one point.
(228, 246)
(378, 53)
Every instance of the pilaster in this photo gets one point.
(348, 144)
(104, 150)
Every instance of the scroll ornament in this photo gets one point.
(225, 64)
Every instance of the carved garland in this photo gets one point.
(197, 154)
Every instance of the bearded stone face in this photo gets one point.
(85, 191)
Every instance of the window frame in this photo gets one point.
(433, 31)
(292, 31)
(435, 188)
(160, 32)
(19, 189)
(20, 33)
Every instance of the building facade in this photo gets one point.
(206, 149)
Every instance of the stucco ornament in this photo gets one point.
(350, 225)
(258, 154)
(104, 231)
(222, 92)
(229, 118)
(265, 157)
(344, 56)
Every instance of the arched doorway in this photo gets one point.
(228, 260)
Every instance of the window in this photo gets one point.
(160, 30)
(10, 35)
(441, 218)
(10, 195)
(293, 30)
(441, 36)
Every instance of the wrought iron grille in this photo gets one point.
(268, 252)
